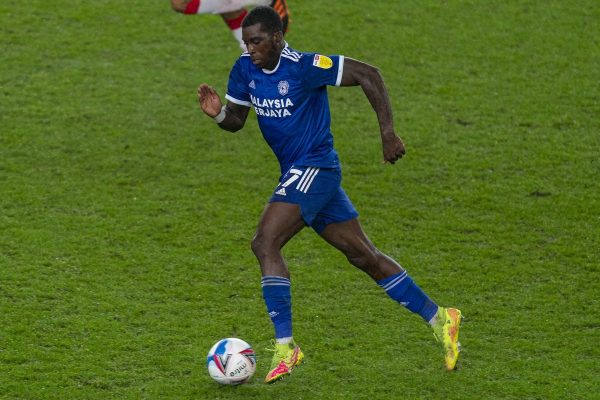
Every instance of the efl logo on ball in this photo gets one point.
(231, 361)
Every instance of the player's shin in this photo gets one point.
(401, 288)
(235, 26)
(278, 299)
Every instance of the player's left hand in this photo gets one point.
(393, 148)
(209, 100)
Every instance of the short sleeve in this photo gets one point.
(237, 87)
(320, 70)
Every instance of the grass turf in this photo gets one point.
(125, 215)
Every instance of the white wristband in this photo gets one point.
(221, 116)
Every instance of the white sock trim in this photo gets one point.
(284, 340)
(434, 320)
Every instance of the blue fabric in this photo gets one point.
(277, 296)
(291, 104)
(318, 192)
(402, 289)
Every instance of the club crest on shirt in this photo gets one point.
(322, 61)
(283, 87)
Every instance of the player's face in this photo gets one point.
(264, 48)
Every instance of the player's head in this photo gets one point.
(262, 32)
(267, 17)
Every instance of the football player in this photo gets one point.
(233, 12)
(287, 89)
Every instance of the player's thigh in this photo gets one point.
(349, 238)
(278, 223)
(313, 189)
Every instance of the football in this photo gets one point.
(231, 361)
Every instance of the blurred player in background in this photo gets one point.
(288, 91)
(233, 12)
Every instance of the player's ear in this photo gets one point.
(278, 37)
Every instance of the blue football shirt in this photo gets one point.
(291, 104)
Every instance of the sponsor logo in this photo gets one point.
(238, 370)
(281, 192)
(252, 84)
(277, 108)
(322, 61)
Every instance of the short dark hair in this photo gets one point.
(267, 17)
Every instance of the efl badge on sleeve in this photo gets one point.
(322, 61)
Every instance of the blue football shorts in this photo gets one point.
(319, 194)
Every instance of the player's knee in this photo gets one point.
(259, 245)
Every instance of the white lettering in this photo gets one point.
(277, 108)
(272, 112)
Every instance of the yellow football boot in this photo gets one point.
(446, 332)
(286, 358)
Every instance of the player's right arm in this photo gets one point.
(231, 117)
(370, 80)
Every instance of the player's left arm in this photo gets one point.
(358, 73)
(230, 117)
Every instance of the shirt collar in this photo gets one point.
(269, 72)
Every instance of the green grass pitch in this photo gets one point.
(126, 215)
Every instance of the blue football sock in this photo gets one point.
(276, 292)
(401, 288)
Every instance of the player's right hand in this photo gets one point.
(209, 100)
(393, 148)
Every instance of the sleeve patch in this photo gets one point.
(321, 61)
